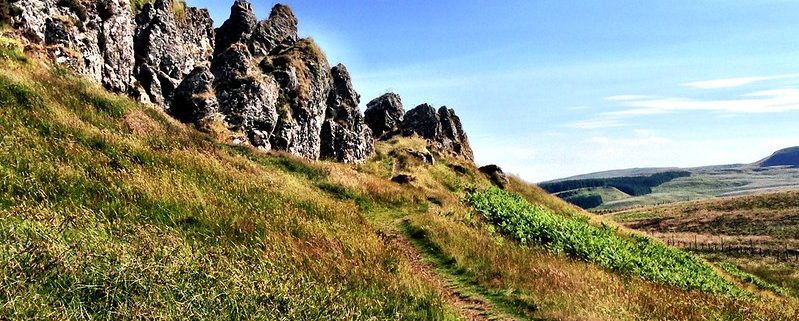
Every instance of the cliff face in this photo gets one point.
(258, 78)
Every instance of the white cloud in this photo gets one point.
(735, 82)
(768, 101)
(576, 108)
(639, 138)
(597, 123)
(625, 97)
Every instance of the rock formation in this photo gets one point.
(93, 38)
(442, 129)
(257, 78)
(345, 137)
(384, 114)
(168, 46)
(496, 175)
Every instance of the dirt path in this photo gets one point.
(470, 307)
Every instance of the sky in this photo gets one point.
(550, 89)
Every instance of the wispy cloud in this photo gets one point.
(767, 101)
(735, 82)
(625, 97)
(577, 108)
(597, 123)
(639, 138)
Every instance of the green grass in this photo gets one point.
(751, 279)
(100, 221)
(638, 256)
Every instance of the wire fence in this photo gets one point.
(783, 252)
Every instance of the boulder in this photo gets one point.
(403, 179)
(496, 175)
(384, 115)
(194, 98)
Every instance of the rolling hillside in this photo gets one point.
(783, 157)
(775, 173)
(759, 233)
(110, 209)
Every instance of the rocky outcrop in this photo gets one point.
(384, 115)
(344, 137)
(304, 78)
(247, 99)
(441, 128)
(277, 33)
(257, 79)
(169, 45)
(237, 28)
(95, 38)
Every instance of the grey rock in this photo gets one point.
(246, 98)
(423, 121)
(194, 98)
(384, 114)
(158, 86)
(116, 44)
(496, 175)
(441, 128)
(403, 179)
(170, 44)
(422, 156)
(453, 138)
(277, 33)
(238, 28)
(92, 38)
(344, 136)
(458, 169)
(304, 78)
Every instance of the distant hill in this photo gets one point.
(783, 157)
(778, 172)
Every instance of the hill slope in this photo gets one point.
(111, 210)
(783, 157)
(759, 233)
(777, 172)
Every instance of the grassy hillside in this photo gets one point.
(704, 183)
(111, 210)
(751, 233)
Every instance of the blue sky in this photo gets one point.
(548, 89)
